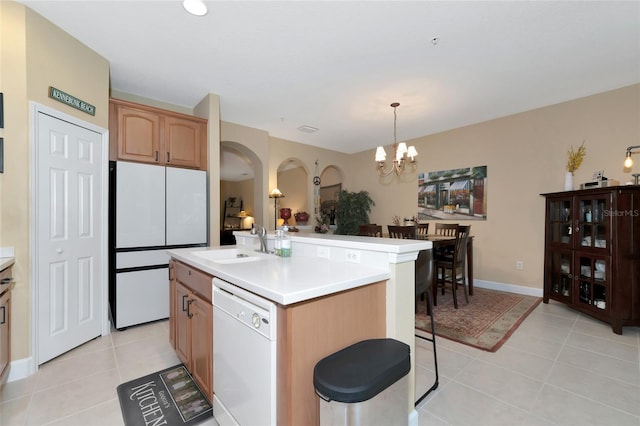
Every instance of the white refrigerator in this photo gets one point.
(152, 208)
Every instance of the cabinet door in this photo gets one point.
(593, 277)
(138, 135)
(183, 329)
(202, 344)
(184, 141)
(5, 339)
(559, 275)
(559, 222)
(593, 223)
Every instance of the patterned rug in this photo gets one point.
(485, 323)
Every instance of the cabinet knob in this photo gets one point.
(59, 250)
(156, 155)
(168, 157)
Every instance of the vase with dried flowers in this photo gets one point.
(574, 160)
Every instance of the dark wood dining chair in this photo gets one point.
(422, 229)
(370, 230)
(451, 269)
(446, 229)
(404, 232)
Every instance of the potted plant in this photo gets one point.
(302, 217)
(352, 211)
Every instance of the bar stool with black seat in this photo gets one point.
(403, 232)
(451, 269)
(424, 283)
(370, 230)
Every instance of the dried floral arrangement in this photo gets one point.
(575, 158)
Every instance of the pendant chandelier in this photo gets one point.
(402, 154)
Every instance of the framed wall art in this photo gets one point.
(453, 194)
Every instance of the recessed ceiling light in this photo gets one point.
(195, 7)
(307, 129)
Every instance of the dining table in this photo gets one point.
(440, 241)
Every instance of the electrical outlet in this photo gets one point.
(323, 252)
(519, 265)
(352, 256)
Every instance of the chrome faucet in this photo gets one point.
(262, 235)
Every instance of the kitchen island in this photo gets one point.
(325, 301)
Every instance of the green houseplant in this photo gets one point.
(353, 210)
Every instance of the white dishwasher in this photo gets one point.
(244, 357)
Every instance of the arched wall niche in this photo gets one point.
(331, 180)
(293, 179)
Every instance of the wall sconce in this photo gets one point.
(402, 154)
(275, 194)
(628, 161)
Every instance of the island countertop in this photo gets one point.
(285, 280)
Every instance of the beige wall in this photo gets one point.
(525, 155)
(35, 55)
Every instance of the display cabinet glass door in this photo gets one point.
(560, 222)
(561, 275)
(593, 278)
(593, 223)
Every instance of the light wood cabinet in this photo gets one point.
(191, 322)
(150, 135)
(592, 253)
(5, 324)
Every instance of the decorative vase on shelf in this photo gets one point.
(568, 181)
(285, 213)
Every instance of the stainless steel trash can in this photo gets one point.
(364, 384)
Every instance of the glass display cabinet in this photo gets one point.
(592, 253)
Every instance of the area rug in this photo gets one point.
(167, 397)
(485, 323)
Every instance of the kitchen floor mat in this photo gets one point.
(167, 397)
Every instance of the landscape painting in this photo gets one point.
(456, 194)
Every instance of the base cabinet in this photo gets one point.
(592, 253)
(191, 322)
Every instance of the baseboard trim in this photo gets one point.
(510, 288)
(21, 369)
(413, 418)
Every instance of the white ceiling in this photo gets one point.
(337, 66)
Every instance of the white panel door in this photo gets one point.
(186, 206)
(69, 247)
(140, 206)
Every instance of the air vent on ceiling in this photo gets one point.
(307, 129)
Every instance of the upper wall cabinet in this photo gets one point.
(151, 135)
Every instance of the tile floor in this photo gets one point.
(558, 368)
